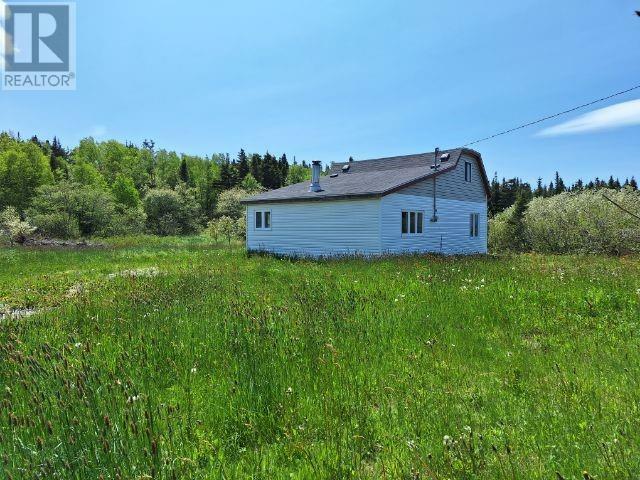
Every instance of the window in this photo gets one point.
(474, 224)
(467, 171)
(412, 223)
(263, 220)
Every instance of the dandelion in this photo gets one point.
(289, 391)
(447, 441)
(194, 370)
(411, 444)
(77, 345)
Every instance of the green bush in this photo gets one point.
(68, 210)
(583, 222)
(56, 225)
(229, 203)
(171, 212)
(12, 228)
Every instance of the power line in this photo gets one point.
(621, 207)
(552, 116)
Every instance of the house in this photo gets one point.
(430, 202)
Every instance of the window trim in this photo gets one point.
(474, 225)
(262, 215)
(467, 171)
(416, 214)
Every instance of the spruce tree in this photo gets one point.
(255, 167)
(633, 184)
(284, 170)
(184, 171)
(516, 224)
(242, 166)
(539, 192)
(560, 186)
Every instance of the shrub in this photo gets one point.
(507, 232)
(228, 228)
(56, 225)
(128, 221)
(68, 210)
(12, 228)
(584, 222)
(171, 212)
(241, 227)
(214, 230)
(229, 203)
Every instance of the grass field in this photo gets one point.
(176, 358)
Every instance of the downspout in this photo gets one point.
(435, 168)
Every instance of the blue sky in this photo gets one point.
(326, 80)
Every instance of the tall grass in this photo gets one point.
(223, 366)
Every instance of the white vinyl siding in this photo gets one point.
(449, 235)
(318, 228)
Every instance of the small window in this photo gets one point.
(474, 225)
(412, 223)
(467, 171)
(263, 220)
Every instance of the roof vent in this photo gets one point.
(445, 157)
(346, 168)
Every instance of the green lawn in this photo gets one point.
(177, 358)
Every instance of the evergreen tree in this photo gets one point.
(283, 170)
(578, 186)
(255, 167)
(633, 184)
(516, 223)
(227, 179)
(560, 186)
(539, 191)
(184, 171)
(242, 166)
(495, 195)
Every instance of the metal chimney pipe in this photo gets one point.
(316, 168)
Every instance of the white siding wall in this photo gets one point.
(451, 230)
(320, 228)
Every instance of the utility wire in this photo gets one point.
(552, 116)
(621, 207)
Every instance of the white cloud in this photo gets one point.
(620, 115)
(98, 131)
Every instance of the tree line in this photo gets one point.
(505, 193)
(110, 188)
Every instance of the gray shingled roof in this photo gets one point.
(367, 178)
